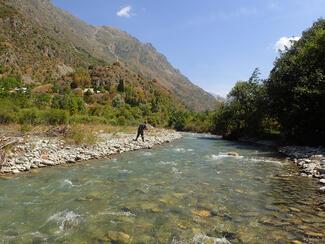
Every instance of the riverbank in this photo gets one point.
(310, 160)
(26, 152)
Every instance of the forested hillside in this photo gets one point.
(48, 74)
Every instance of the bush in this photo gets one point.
(56, 117)
(118, 101)
(81, 78)
(121, 121)
(2, 69)
(7, 110)
(41, 100)
(30, 116)
(80, 135)
(9, 82)
(6, 117)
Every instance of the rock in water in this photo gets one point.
(234, 154)
(201, 213)
(118, 237)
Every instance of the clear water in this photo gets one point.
(184, 192)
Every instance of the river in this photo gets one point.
(188, 191)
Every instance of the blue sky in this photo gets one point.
(213, 42)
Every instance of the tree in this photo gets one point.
(296, 88)
(118, 101)
(81, 78)
(244, 111)
(121, 86)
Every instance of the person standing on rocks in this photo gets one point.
(141, 129)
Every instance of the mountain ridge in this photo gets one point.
(109, 44)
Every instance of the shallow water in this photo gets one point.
(185, 192)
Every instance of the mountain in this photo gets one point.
(67, 42)
(218, 97)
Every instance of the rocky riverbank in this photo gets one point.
(310, 160)
(34, 152)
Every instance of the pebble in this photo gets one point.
(38, 152)
(118, 237)
(295, 210)
(201, 213)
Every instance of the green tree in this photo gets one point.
(296, 87)
(244, 111)
(118, 101)
(121, 86)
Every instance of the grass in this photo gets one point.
(77, 133)
(88, 134)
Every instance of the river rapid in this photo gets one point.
(188, 191)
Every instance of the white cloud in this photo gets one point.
(125, 12)
(284, 42)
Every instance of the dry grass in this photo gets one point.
(76, 133)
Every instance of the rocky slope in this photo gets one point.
(109, 44)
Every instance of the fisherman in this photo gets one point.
(141, 128)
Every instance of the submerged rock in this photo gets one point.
(117, 237)
(201, 213)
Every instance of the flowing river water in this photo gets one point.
(189, 191)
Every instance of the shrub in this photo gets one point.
(81, 78)
(2, 69)
(9, 82)
(29, 116)
(121, 121)
(6, 117)
(80, 135)
(56, 117)
(80, 119)
(118, 101)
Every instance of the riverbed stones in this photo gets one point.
(311, 161)
(313, 234)
(201, 213)
(296, 242)
(118, 237)
(37, 152)
(294, 209)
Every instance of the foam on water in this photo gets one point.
(167, 163)
(148, 154)
(222, 155)
(126, 213)
(266, 161)
(65, 219)
(125, 171)
(176, 171)
(182, 150)
(68, 182)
